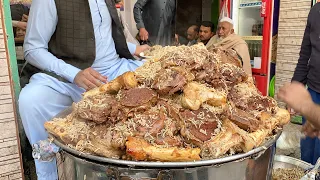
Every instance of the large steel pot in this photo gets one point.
(253, 165)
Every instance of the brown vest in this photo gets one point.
(74, 41)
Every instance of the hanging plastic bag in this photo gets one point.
(224, 10)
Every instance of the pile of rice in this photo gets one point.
(288, 173)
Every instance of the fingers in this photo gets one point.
(142, 37)
(98, 76)
(282, 94)
(309, 130)
(89, 79)
(89, 85)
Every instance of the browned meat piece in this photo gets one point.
(175, 141)
(244, 120)
(228, 56)
(137, 97)
(248, 99)
(98, 108)
(168, 81)
(141, 150)
(233, 74)
(262, 103)
(208, 72)
(149, 122)
(198, 126)
(155, 125)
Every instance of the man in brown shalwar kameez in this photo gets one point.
(226, 39)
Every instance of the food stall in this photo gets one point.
(209, 146)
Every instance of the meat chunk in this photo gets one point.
(198, 126)
(262, 103)
(168, 82)
(227, 56)
(137, 97)
(141, 150)
(244, 120)
(232, 74)
(97, 108)
(246, 97)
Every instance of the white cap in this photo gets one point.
(226, 19)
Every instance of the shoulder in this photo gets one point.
(314, 10)
(42, 3)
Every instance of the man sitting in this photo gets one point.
(193, 35)
(206, 31)
(227, 39)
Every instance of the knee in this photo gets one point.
(26, 98)
(31, 98)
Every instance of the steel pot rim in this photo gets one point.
(219, 161)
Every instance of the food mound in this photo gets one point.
(288, 173)
(183, 104)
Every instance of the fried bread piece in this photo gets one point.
(195, 94)
(141, 150)
(124, 81)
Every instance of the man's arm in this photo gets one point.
(312, 114)
(301, 71)
(42, 23)
(137, 12)
(296, 96)
(132, 48)
(19, 24)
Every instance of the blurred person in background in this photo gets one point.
(193, 35)
(307, 72)
(206, 32)
(19, 15)
(156, 21)
(226, 39)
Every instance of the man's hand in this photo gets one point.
(89, 79)
(25, 18)
(143, 33)
(141, 49)
(309, 130)
(20, 24)
(296, 96)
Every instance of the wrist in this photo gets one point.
(307, 107)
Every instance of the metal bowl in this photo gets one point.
(285, 162)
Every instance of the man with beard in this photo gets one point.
(155, 21)
(206, 32)
(226, 39)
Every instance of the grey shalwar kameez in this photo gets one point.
(158, 17)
